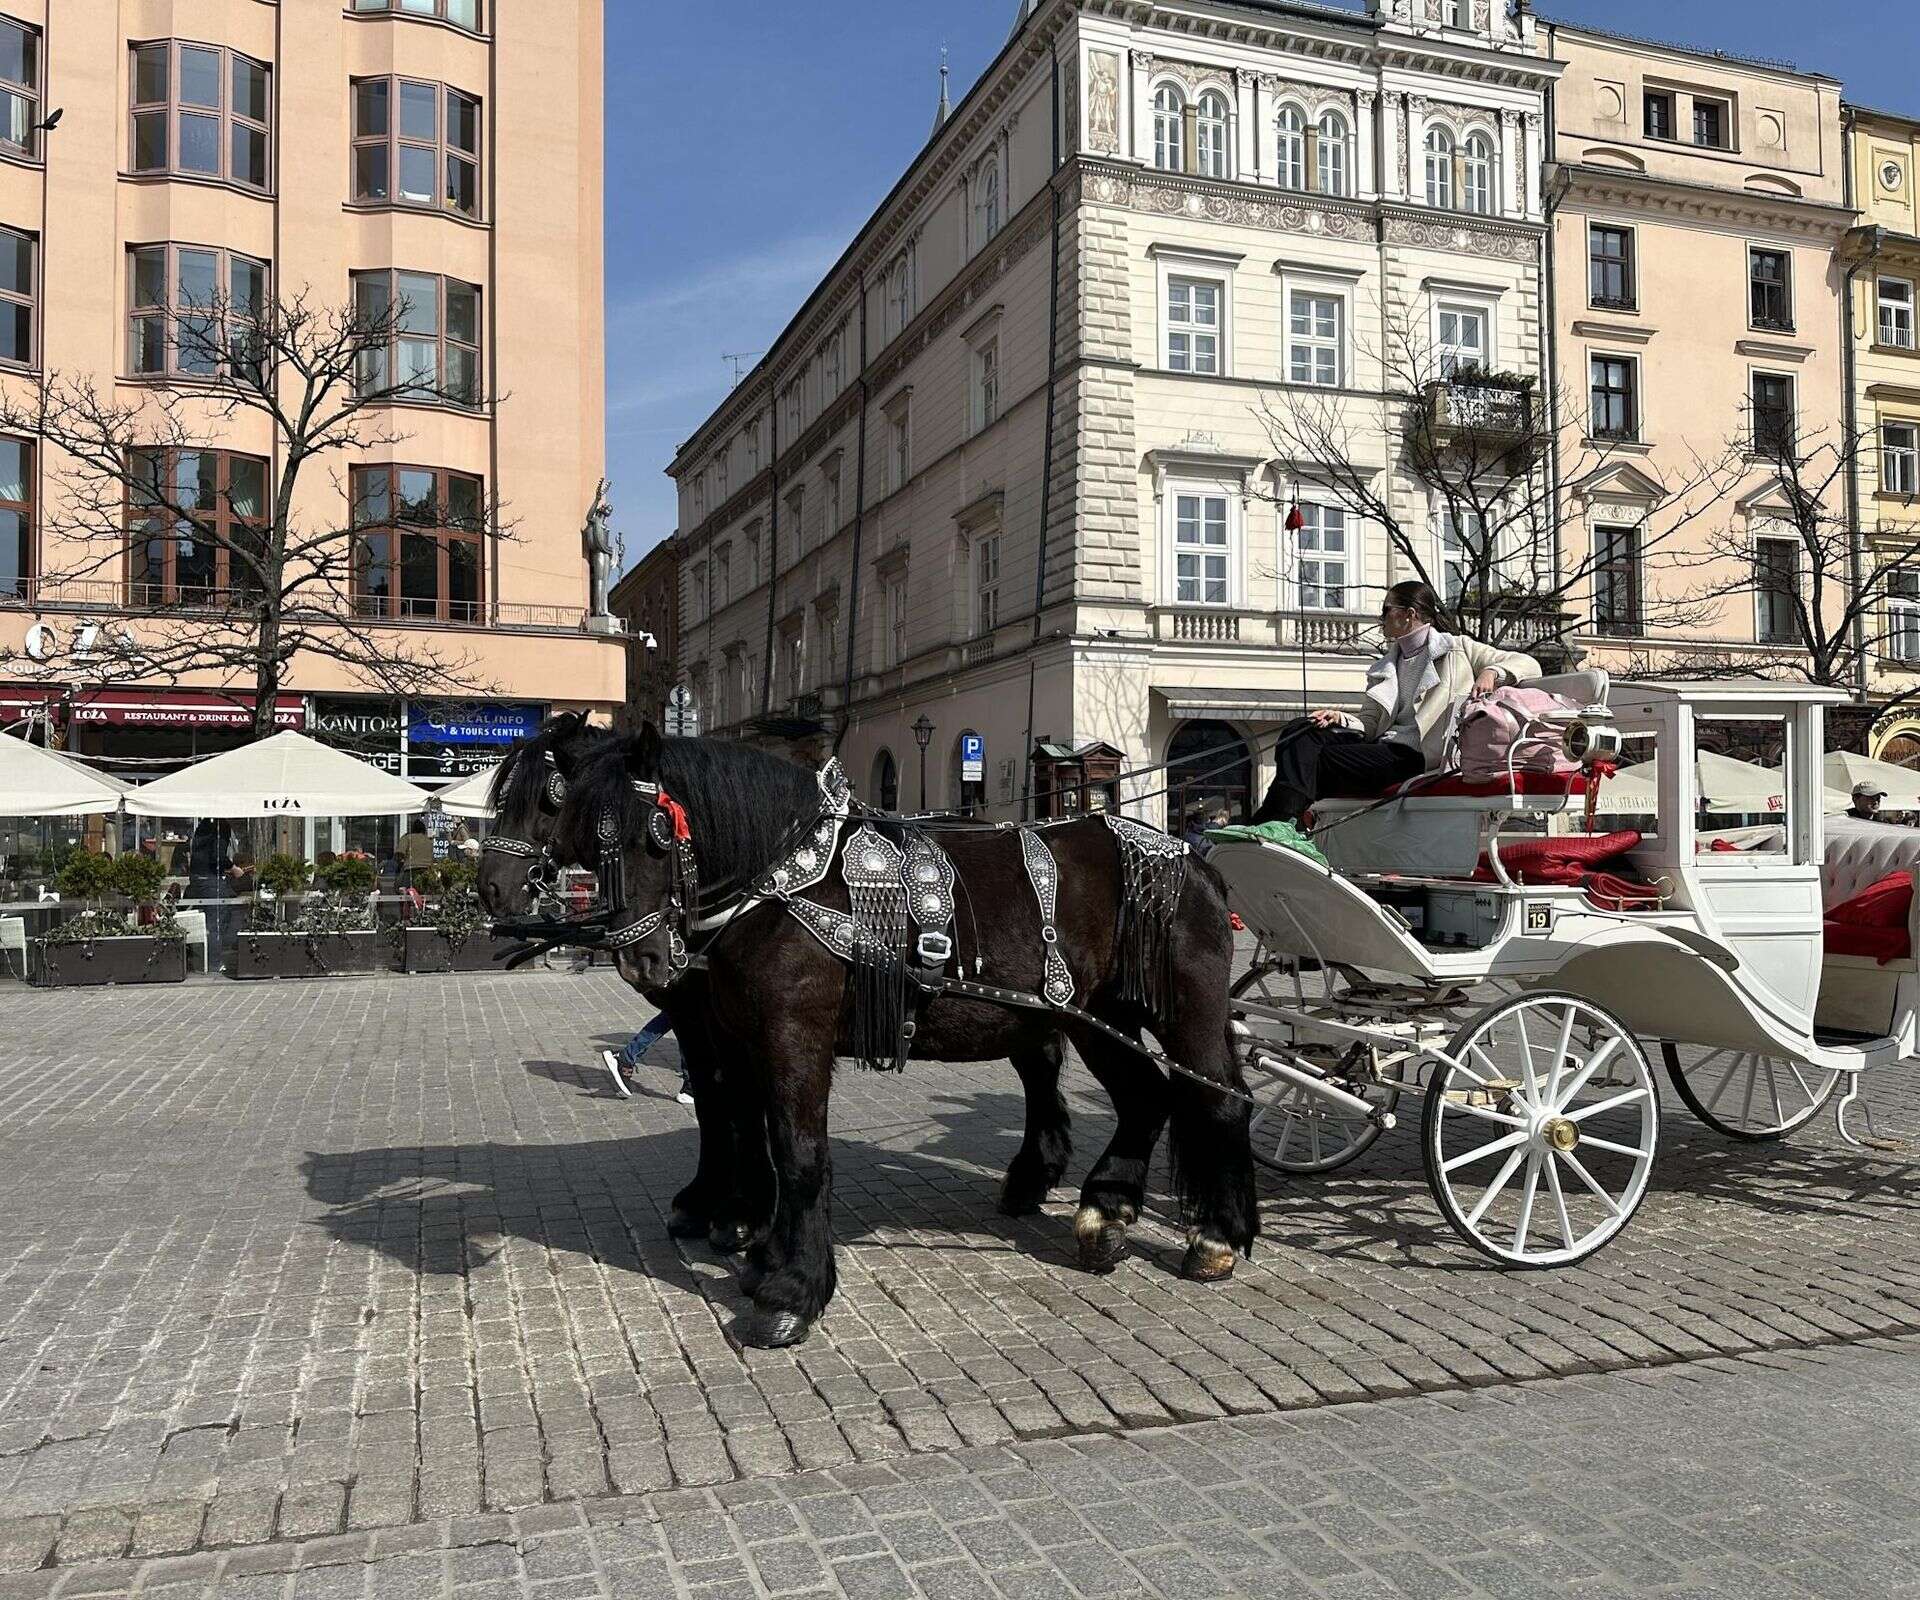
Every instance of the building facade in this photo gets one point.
(647, 602)
(1882, 260)
(1699, 202)
(1013, 472)
(445, 154)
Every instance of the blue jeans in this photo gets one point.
(636, 1048)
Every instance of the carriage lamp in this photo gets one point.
(1590, 738)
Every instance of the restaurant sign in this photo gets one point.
(181, 708)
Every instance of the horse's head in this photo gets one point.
(516, 860)
(616, 817)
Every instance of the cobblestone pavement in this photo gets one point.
(297, 1260)
(1758, 1478)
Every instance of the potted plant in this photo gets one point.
(452, 934)
(298, 935)
(99, 945)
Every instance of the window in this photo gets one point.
(1616, 580)
(797, 516)
(195, 312)
(1331, 154)
(900, 456)
(990, 199)
(899, 298)
(1477, 174)
(753, 446)
(986, 584)
(1326, 559)
(721, 569)
(885, 790)
(1314, 338)
(1661, 123)
(746, 677)
(1200, 550)
(895, 640)
(1463, 342)
(419, 543)
(1293, 149)
(1440, 169)
(461, 13)
(835, 516)
(416, 144)
(1614, 411)
(753, 559)
(1169, 129)
(193, 518)
(19, 90)
(1896, 313)
(700, 590)
(1711, 124)
(986, 384)
(794, 649)
(1465, 558)
(1193, 325)
(1212, 127)
(1773, 420)
(1900, 458)
(721, 472)
(1770, 275)
(1903, 615)
(1460, 13)
(1610, 267)
(200, 111)
(1776, 585)
(16, 516)
(19, 296)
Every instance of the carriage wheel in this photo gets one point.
(1293, 1131)
(1539, 1142)
(1751, 1097)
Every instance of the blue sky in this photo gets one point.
(748, 139)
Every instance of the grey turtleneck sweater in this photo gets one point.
(1410, 666)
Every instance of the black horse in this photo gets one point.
(730, 1196)
(778, 1003)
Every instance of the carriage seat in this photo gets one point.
(1859, 856)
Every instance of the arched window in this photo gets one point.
(898, 299)
(1333, 154)
(1169, 119)
(1211, 128)
(1209, 777)
(1440, 169)
(1292, 156)
(1476, 174)
(885, 791)
(987, 187)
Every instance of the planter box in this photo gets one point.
(298, 955)
(135, 959)
(427, 950)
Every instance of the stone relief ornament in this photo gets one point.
(1103, 101)
(1070, 134)
(1143, 59)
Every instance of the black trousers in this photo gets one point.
(1313, 763)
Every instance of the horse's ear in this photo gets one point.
(643, 753)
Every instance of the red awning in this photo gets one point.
(17, 699)
(181, 708)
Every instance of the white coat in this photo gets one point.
(1453, 663)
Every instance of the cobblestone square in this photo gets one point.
(342, 1259)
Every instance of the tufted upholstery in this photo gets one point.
(1860, 854)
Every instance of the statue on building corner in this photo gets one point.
(598, 537)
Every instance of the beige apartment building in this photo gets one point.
(1698, 204)
(1009, 476)
(445, 152)
(1882, 260)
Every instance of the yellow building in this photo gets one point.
(1882, 259)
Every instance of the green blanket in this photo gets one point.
(1284, 834)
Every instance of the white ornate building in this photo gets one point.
(1186, 214)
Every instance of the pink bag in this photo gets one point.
(1506, 731)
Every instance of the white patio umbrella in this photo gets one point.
(1844, 770)
(1726, 785)
(37, 782)
(288, 775)
(468, 797)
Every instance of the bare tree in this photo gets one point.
(1491, 538)
(211, 564)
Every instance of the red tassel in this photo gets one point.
(1295, 520)
(678, 812)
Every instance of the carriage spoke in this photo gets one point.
(1586, 1177)
(1313, 1133)
(1725, 1081)
(1486, 1150)
(1626, 1098)
(1485, 1061)
(1773, 1088)
(1584, 1076)
(1286, 1138)
(1588, 1140)
(1526, 1201)
(1527, 1073)
(1560, 1049)
(1753, 1080)
(1492, 1194)
(1560, 1204)
(1794, 1068)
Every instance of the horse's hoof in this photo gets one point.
(685, 1224)
(1102, 1240)
(770, 1330)
(1208, 1261)
(729, 1238)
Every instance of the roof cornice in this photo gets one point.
(1813, 219)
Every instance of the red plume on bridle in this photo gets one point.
(681, 831)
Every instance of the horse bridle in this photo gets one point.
(543, 871)
(668, 837)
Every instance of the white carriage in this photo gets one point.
(1541, 1114)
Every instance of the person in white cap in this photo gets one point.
(1866, 801)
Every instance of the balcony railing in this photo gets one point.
(1470, 409)
(1333, 632)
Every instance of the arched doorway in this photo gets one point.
(1208, 766)
(886, 782)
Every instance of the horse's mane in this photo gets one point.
(742, 804)
(515, 789)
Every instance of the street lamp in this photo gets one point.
(923, 736)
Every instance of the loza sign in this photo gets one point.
(43, 643)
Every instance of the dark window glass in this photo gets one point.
(434, 519)
(16, 263)
(1773, 428)
(18, 288)
(370, 107)
(1710, 124)
(1614, 413)
(209, 116)
(194, 311)
(19, 87)
(1610, 263)
(150, 75)
(425, 155)
(16, 515)
(419, 111)
(1660, 119)
(150, 141)
(1770, 272)
(249, 89)
(1616, 584)
(1776, 582)
(187, 510)
(425, 343)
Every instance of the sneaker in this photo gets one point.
(685, 1096)
(612, 1063)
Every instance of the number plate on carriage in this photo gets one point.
(1538, 919)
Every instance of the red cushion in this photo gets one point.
(1885, 904)
(1558, 858)
(1454, 787)
(1882, 944)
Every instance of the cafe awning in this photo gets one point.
(287, 775)
(36, 782)
(469, 797)
(181, 708)
(1278, 704)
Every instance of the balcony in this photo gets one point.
(1328, 632)
(1469, 411)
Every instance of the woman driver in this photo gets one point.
(1401, 730)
